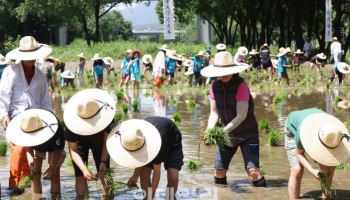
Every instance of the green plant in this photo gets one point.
(190, 104)
(274, 138)
(69, 162)
(326, 185)
(125, 107)
(90, 81)
(147, 94)
(177, 117)
(338, 99)
(135, 106)
(118, 116)
(115, 73)
(264, 125)
(342, 166)
(26, 182)
(173, 101)
(280, 98)
(119, 94)
(3, 148)
(193, 165)
(261, 167)
(216, 135)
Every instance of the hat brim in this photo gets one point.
(146, 60)
(253, 53)
(68, 76)
(96, 124)
(322, 57)
(20, 138)
(300, 52)
(220, 47)
(344, 105)
(41, 52)
(313, 146)
(189, 73)
(80, 56)
(215, 71)
(99, 58)
(344, 71)
(141, 157)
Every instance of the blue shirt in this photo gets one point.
(197, 64)
(171, 65)
(2, 67)
(98, 69)
(125, 66)
(135, 67)
(282, 60)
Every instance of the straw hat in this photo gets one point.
(134, 143)
(298, 52)
(96, 57)
(188, 63)
(334, 38)
(288, 50)
(200, 53)
(189, 71)
(32, 127)
(343, 67)
(147, 58)
(131, 55)
(68, 74)
(221, 46)
(3, 60)
(253, 52)
(281, 52)
(180, 58)
(108, 60)
(321, 56)
(164, 47)
(343, 104)
(322, 137)
(223, 65)
(172, 54)
(265, 45)
(81, 55)
(243, 51)
(29, 49)
(89, 111)
(274, 63)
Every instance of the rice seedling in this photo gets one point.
(3, 148)
(125, 107)
(338, 99)
(118, 116)
(342, 166)
(115, 73)
(173, 101)
(177, 117)
(90, 81)
(274, 138)
(190, 104)
(216, 136)
(135, 106)
(261, 167)
(26, 182)
(280, 98)
(326, 185)
(119, 94)
(193, 165)
(264, 126)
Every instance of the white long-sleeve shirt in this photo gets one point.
(159, 64)
(335, 48)
(16, 95)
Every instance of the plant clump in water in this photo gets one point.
(216, 136)
(275, 137)
(177, 117)
(118, 116)
(135, 106)
(280, 98)
(190, 104)
(125, 107)
(264, 126)
(338, 99)
(193, 165)
(3, 148)
(119, 94)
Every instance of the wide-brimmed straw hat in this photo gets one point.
(334, 38)
(274, 63)
(343, 67)
(172, 54)
(181, 58)
(265, 45)
(188, 63)
(243, 51)
(81, 55)
(108, 60)
(68, 74)
(164, 47)
(29, 49)
(89, 111)
(3, 60)
(96, 57)
(343, 104)
(220, 46)
(321, 56)
(131, 55)
(281, 52)
(147, 59)
(134, 143)
(288, 50)
(298, 52)
(326, 139)
(253, 52)
(32, 127)
(223, 65)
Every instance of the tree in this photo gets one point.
(114, 27)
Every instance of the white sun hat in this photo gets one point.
(29, 49)
(164, 47)
(343, 67)
(298, 52)
(321, 56)
(223, 65)
(325, 139)
(96, 57)
(134, 143)
(172, 54)
(243, 51)
(220, 46)
(108, 60)
(253, 52)
(3, 60)
(81, 55)
(281, 52)
(32, 127)
(147, 59)
(345, 104)
(68, 74)
(89, 111)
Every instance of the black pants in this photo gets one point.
(340, 75)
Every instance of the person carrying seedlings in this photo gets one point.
(124, 69)
(296, 60)
(135, 67)
(256, 61)
(81, 65)
(318, 61)
(23, 86)
(159, 66)
(282, 65)
(108, 65)
(40, 131)
(97, 69)
(171, 65)
(339, 68)
(237, 118)
(68, 79)
(198, 65)
(144, 145)
(324, 138)
(88, 116)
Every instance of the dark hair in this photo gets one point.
(98, 62)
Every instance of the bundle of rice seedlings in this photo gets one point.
(177, 117)
(119, 94)
(115, 73)
(280, 98)
(173, 101)
(118, 116)
(326, 185)
(26, 182)
(125, 107)
(190, 104)
(3, 148)
(264, 125)
(338, 99)
(216, 136)
(193, 165)
(275, 138)
(135, 106)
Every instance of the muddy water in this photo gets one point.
(199, 184)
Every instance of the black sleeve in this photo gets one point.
(70, 136)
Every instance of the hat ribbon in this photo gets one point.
(30, 50)
(344, 135)
(104, 105)
(46, 126)
(120, 137)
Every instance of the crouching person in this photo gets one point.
(144, 145)
(40, 131)
(88, 116)
(323, 137)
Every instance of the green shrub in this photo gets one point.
(275, 137)
(264, 126)
(177, 117)
(3, 148)
(193, 165)
(216, 136)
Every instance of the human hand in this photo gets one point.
(102, 167)
(315, 173)
(132, 182)
(88, 175)
(5, 122)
